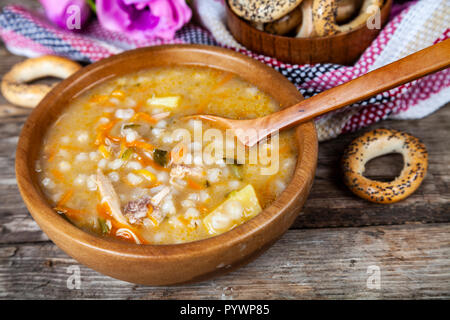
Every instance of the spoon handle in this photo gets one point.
(414, 66)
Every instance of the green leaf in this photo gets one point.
(232, 161)
(131, 126)
(127, 154)
(235, 169)
(91, 4)
(103, 226)
(160, 157)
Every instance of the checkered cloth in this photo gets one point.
(413, 26)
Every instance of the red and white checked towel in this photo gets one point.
(412, 27)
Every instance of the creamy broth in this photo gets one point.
(114, 165)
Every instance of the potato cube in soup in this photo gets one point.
(239, 207)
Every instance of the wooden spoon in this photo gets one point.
(417, 65)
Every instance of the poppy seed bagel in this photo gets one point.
(262, 10)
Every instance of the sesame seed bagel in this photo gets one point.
(377, 143)
(324, 16)
(14, 84)
(262, 10)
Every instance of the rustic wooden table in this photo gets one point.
(334, 246)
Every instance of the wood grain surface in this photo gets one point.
(326, 254)
(414, 262)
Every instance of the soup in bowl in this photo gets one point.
(122, 162)
(118, 177)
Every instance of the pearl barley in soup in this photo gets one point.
(120, 161)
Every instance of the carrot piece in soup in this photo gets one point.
(51, 155)
(203, 209)
(70, 213)
(194, 185)
(144, 117)
(97, 98)
(58, 175)
(66, 197)
(103, 130)
(224, 80)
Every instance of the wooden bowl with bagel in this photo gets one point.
(308, 31)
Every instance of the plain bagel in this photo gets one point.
(286, 23)
(14, 84)
(346, 9)
(380, 142)
(324, 16)
(306, 28)
(262, 10)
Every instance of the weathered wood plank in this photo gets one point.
(414, 262)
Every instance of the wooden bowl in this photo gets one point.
(344, 48)
(165, 264)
